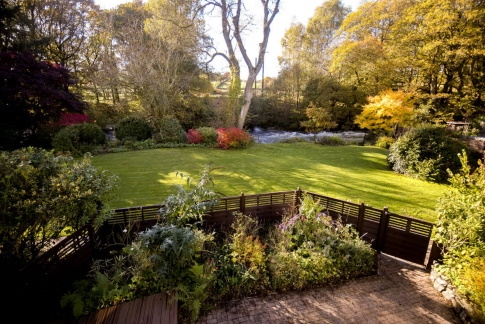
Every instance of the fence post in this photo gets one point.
(297, 198)
(360, 218)
(381, 234)
(242, 204)
(91, 235)
(434, 254)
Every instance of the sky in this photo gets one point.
(290, 11)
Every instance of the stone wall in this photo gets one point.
(469, 313)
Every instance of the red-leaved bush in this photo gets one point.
(233, 137)
(194, 137)
(69, 119)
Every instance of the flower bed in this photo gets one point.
(306, 249)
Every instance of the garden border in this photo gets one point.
(404, 237)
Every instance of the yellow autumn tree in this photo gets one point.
(386, 112)
(318, 120)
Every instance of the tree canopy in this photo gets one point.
(386, 112)
(33, 93)
(151, 58)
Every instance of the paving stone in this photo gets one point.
(401, 293)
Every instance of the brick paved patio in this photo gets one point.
(401, 293)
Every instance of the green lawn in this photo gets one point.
(355, 173)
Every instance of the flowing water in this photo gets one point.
(264, 136)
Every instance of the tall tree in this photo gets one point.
(33, 93)
(444, 42)
(56, 29)
(365, 59)
(322, 35)
(292, 61)
(162, 56)
(9, 24)
(235, 20)
(341, 102)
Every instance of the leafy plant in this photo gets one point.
(159, 257)
(426, 152)
(43, 194)
(241, 262)
(309, 248)
(194, 137)
(78, 139)
(171, 131)
(246, 247)
(232, 138)
(460, 230)
(195, 290)
(331, 141)
(472, 281)
(133, 127)
(189, 205)
(209, 136)
(385, 141)
(107, 285)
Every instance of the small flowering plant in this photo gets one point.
(310, 248)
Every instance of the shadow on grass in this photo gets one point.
(355, 173)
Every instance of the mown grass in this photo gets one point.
(355, 173)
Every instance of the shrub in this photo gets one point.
(309, 249)
(42, 194)
(171, 131)
(385, 142)
(472, 282)
(233, 137)
(241, 262)
(193, 137)
(133, 127)
(460, 230)
(78, 139)
(209, 136)
(426, 152)
(331, 141)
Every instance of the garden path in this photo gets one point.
(401, 293)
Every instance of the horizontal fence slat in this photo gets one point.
(403, 236)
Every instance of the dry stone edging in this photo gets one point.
(468, 312)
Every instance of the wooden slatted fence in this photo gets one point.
(404, 237)
(401, 236)
(70, 253)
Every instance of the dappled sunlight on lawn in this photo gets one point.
(355, 173)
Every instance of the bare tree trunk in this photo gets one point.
(231, 11)
(248, 96)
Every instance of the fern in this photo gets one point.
(195, 289)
